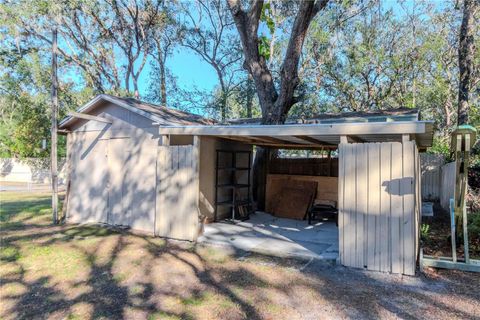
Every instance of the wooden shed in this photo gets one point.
(156, 170)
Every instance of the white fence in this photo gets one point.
(431, 165)
(447, 184)
(438, 179)
(30, 170)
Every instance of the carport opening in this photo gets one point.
(302, 185)
(298, 184)
(299, 216)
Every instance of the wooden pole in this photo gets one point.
(53, 153)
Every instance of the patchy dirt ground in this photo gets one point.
(437, 241)
(84, 272)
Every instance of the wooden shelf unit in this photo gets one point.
(230, 167)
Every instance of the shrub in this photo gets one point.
(424, 231)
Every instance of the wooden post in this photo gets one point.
(330, 163)
(464, 211)
(69, 176)
(453, 230)
(53, 153)
(260, 171)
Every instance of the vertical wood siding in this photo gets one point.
(379, 188)
(87, 198)
(177, 199)
(113, 180)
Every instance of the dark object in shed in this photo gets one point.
(321, 211)
(293, 201)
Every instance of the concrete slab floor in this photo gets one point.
(266, 234)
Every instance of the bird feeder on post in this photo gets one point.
(463, 139)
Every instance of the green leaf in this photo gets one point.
(264, 47)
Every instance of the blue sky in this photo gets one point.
(189, 69)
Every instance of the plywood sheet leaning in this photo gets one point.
(327, 187)
(294, 199)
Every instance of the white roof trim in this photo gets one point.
(92, 103)
(325, 129)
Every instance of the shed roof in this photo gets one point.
(321, 131)
(312, 136)
(398, 114)
(156, 113)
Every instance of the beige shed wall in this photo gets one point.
(177, 214)
(208, 147)
(113, 170)
(379, 197)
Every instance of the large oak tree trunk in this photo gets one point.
(275, 104)
(465, 58)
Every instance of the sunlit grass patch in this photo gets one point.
(273, 308)
(59, 262)
(195, 300)
(120, 277)
(162, 315)
(136, 289)
(214, 255)
(9, 270)
(211, 305)
(9, 253)
(13, 289)
(157, 242)
(73, 316)
(85, 231)
(224, 302)
(20, 208)
(208, 299)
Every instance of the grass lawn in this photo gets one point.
(85, 272)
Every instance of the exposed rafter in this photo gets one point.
(274, 140)
(355, 139)
(88, 117)
(313, 140)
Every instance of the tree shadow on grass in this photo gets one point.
(105, 295)
(27, 213)
(120, 280)
(368, 294)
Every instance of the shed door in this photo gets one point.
(377, 206)
(177, 209)
(118, 202)
(89, 179)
